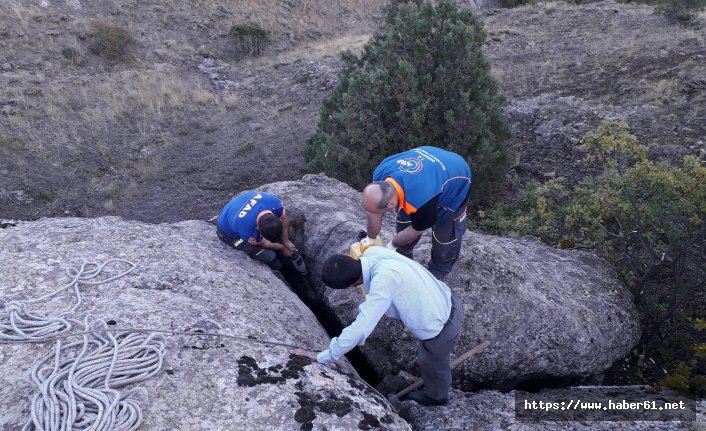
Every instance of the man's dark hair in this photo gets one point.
(341, 271)
(270, 226)
(387, 192)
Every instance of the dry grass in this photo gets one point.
(149, 168)
(103, 185)
(230, 100)
(203, 97)
(148, 91)
(320, 49)
(663, 91)
(109, 205)
(279, 19)
(120, 109)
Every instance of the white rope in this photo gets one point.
(77, 382)
(19, 324)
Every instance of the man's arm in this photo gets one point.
(406, 236)
(422, 219)
(374, 224)
(270, 245)
(376, 304)
(285, 233)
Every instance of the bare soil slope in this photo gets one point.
(176, 126)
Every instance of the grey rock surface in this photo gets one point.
(547, 313)
(186, 280)
(492, 410)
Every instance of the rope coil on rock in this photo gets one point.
(18, 324)
(77, 382)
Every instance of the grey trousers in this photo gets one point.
(266, 256)
(434, 354)
(446, 242)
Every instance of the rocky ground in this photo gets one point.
(185, 279)
(183, 121)
(581, 64)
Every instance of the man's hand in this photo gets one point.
(290, 246)
(366, 243)
(390, 246)
(304, 353)
(286, 252)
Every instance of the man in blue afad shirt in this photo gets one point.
(256, 223)
(429, 187)
(403, 289)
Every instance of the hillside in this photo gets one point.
(182, 122)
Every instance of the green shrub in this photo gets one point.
(538, 212)
(421, 80)
(109, 39)
(73, 56)
(514, 3)
(648, 219)
(251, 39)
(680, 10)
(690, 375)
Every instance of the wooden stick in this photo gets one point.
(454, 363)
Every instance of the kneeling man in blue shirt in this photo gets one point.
(256, 223)
(400, 288)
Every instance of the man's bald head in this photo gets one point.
(377, 197)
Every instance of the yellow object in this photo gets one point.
(357, 249)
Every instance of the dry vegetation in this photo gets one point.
(107, 109)
(178, 122)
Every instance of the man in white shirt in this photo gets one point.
(400, 288)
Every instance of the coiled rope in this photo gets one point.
(77, 383)
(19, 324)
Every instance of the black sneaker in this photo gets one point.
(421, 398)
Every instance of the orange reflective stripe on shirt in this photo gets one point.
(401, 202)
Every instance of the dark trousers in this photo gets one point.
(434, 354)
(266, 256)
(446, 242)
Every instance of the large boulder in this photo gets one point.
(185, 280)
(548, 314)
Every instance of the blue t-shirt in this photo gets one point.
(238, 219)
(421, 174)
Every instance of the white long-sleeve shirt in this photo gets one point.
(397, 287)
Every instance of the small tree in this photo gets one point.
(251, 39)
(421, 80)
